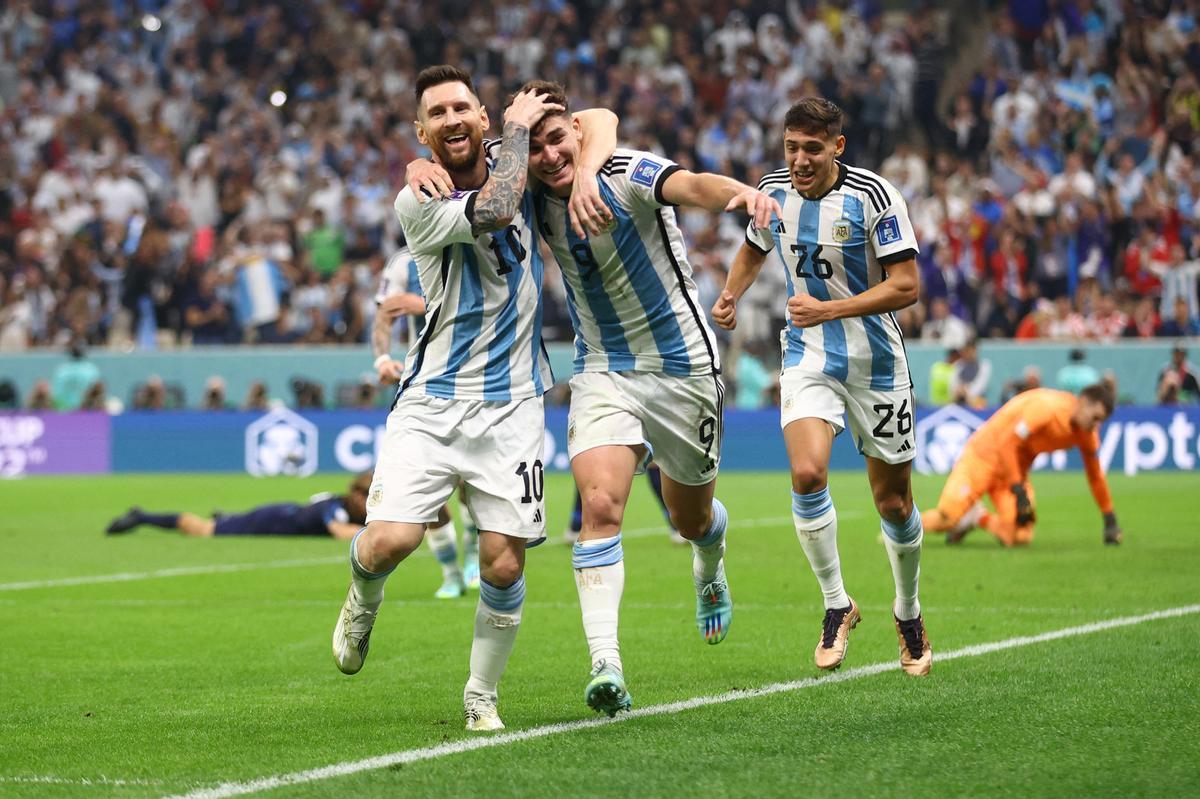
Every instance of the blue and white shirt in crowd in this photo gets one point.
(837, 247)
(630, 291)
(483, 332)
(258, 285)
(400, 276)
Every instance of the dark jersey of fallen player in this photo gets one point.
(286, 518)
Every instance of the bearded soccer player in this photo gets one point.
(470, 406)
(998, 456)
(850, 253)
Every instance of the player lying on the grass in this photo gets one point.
(842, 232)
(999, 455)
(470, 407)
(325, 514)
(654, 477)
(400, 295)
(646, 372)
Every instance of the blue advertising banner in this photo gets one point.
(284, 441)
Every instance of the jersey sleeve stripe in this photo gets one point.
(757, 248)
(878, 203)
(669, 170)
(897, 257)
(879, 195)
(778, 176)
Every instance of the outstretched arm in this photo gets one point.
(742, 274)
(718, 193)
(899, 291)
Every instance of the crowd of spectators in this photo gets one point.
(221, 171)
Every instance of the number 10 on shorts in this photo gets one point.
(534, 479)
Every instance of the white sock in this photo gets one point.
(905, 556)
(442, 540)
(708, 553)
(497, 619)
(368, 585)
(600, 577)
(816, 527)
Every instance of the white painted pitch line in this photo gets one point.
(180, 571)
(229, 789)
(224, 568)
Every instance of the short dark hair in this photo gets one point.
(437, 75)
(1102, 394)
(814, 115)
(553, 93)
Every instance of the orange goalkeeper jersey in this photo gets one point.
(1029, 424)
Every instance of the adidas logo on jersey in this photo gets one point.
(537, 516)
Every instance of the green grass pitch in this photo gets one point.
(151, 686)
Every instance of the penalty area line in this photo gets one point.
(344, 769)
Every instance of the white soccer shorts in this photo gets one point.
(677, 418)
(494, 448)
(880, 421)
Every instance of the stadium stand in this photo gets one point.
(186, 174)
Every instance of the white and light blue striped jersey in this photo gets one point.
(400, 276)
(630, 291)
(483, 332)
(837, 247)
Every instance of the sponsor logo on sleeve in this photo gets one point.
(887, 231)
(645, 172)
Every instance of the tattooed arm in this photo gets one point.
(498, 200)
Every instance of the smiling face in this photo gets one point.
(451, 122)
(811, 160)
(553, 150)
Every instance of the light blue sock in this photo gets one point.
(597, 552)
(497, 619)
(816, 527)
(368, 585)
(903, 545)
(708, 552)
(600, 579)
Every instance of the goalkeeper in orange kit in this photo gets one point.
(998, 456)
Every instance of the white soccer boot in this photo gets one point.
(352, 634)
(480, 713)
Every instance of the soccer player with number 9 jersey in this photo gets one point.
(850, 253)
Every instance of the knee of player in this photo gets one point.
(389, 543)
(808, 477)
(502, 570)
(601, 507)
(895, 508)
(691, 523)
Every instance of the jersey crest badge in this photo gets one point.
(841, 231)
(887, 231)
(645, 172)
